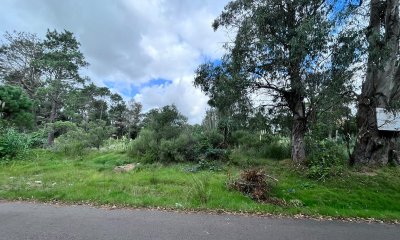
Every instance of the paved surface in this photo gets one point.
(39, 221)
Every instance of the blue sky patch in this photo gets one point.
(133, 89)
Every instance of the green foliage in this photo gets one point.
(117, 145)
(325, 159)
(72, 143)
(215, 154)
(38, 138)
(167, 122)
(16, 107)
(183, 148)
(76, 140)
(268, 146)
(145, 146)
(166, 138)
(13, 145)
(188, 147)
(355, 194)
(278, 148)
(200, 190)
(61, 127)
(212, 139)
(206, 165)
(97, 132)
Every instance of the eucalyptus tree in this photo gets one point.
(287, 49)
(228, 97)
(60, 64)
(381, 87)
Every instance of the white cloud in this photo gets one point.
(131, 42)
(189, 100)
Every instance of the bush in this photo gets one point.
(213, 139)
(97, 132)
(144, 147)
(183, 148)
(38, 138)
(13, 145)
(248, 140)
(72, 143)
(118, 145)
(325, 158)
(75, 140)
(216, 154)
(269, 146)
(278, 148)
(188, 147)
(168, 151)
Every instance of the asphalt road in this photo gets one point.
(40, 221)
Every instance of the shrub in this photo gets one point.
(248, 140)
(119, 145)
(277, 148)
(75, 140)
(144, 147)
(38, 138)
(213, 139)
(168, 151)
(216, 154)
(97, 132)
(325, 158)
(188, 147)
(13, 145)
(72, 143)
(268, 146)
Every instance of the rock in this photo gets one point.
(125, 168)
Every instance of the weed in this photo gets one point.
(200, 190)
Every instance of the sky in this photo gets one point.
(142, 49)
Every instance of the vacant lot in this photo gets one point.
(47, 176)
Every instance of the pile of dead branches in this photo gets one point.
(255, 183)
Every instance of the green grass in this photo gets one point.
(47, 176)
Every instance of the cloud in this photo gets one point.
(189, 100)
(131, 42)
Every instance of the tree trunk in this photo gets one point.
(381, 86)
(299, 128)
(372, 146)
(53, 115)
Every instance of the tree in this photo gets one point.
(17, 61)
(381, 87)
(15, 106)
(166, 122)
(60, 63)
(118, 114)
(88, 103)
(227, 95)
(287, 49)
(134, 118)
(18, 67)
